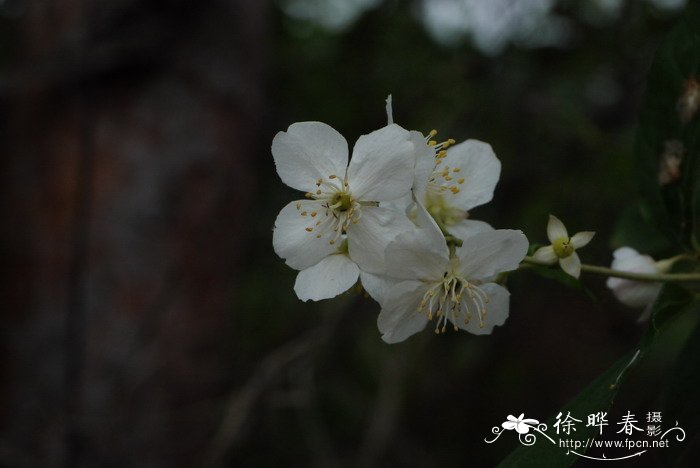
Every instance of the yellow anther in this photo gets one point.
(313, 214)
(332, 176)
(432, 133)
(318, 192)
(454, 190)
(309, 229)
(432, 143)
(460, 181)
(456, 169)
(298, 205)
(448, 178)
(309, 195)
(331, 242)
(303, 213)
(318, 236)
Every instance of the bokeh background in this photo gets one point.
(146, 320)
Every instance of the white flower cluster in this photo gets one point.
(395, 216)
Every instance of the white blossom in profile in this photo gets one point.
(637, 293)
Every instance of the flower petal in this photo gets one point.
(291, 241)
(378, 286)
(382, 165)
(468, 227)
(425, 164)
(418, 252)
(478, 170)
(370, 237)
(488, 253)
(400, 318)
(546, 254)
(623, 253)
(571, 265)
(328, 278)
(509, 425)
(308, 151)
(634, 293)
(496, 310)
(581, 239)
(556, 229)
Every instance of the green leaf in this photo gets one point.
(681, 401)
(668, 143)
(600, 394)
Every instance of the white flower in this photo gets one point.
(341, 200)
(636, 293)
(521, 426)
(563, 247)
(426, 284)
(451, 179)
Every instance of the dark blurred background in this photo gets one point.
(146, 320)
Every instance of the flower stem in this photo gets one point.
(651, 277)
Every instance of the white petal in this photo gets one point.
(634, 293)
(556, 229)
(509, 425)
(300, 248)
(328, 278)
(628, 259)
(370, 237)
(496, 310)
(382, 165)
(402, 204)
(571, 265)
(581, 239)
(425, 164)
(488, 253)
(468, 227)
(378, 286)
(546, 254)
(308, 151)
(400, 319)
(418, 252)
(624, 252)
(480, 169)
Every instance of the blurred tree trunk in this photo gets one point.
(127, 127)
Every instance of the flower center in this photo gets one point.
(337, 209)
(439, 209)
(562, 247)
(443, 181)
(454, 298)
